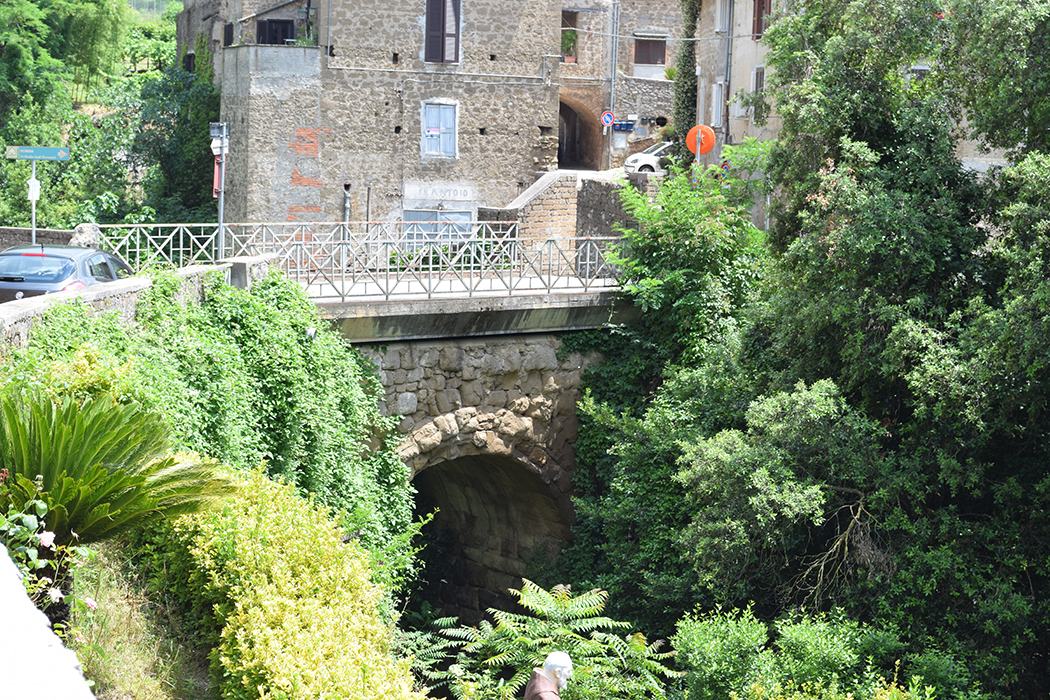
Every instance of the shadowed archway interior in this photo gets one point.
(494, 515)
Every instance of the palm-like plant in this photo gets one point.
(496, 661)
(101, 466)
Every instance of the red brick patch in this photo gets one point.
(299, 181)
(292, 211)
(308, 141)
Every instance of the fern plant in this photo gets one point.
(495, 661)
(99, 465)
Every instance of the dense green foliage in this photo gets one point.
(99, 466)
(87, 75)
(288, 607)
(863, 425)
(239, 378)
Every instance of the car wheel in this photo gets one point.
(646, 169)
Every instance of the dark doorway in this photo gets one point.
(579, 139)
(494, 519)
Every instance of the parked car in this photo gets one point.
(32, 270)
(651, 160)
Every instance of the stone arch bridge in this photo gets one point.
(489, 426)
(487, 398)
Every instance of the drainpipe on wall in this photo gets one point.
(729, 64)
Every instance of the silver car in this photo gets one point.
(32, 270)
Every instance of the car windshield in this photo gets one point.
(36, 268)
(657, 147)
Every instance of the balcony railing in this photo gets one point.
(360, 261)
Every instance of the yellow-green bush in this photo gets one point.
(294, 604)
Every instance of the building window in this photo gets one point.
(649, 51)
(275, 31)
(718, 100)
(189, 62)
(569, 36)
(442, 39)
(758, 80)
(724, 9)
(435, 225)
(439, 130)
(762, 10)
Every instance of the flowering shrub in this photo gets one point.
(45, 566)
(287, 605)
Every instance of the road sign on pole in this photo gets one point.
(37, 153)
(700, 139)
(608, 118)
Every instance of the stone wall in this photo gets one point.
(507, 395)
(10, 236)
(545, 210)
(18, 317)
(490, 426)
(312, 124)
(599, 209)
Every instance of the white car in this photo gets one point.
(649, 160)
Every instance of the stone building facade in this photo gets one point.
(382, 110)
(425, 109)
(615, 54)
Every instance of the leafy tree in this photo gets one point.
(88, 37)
(998, 61)
(100, 466)
(26, 67)
(176, 112)
(684, 104)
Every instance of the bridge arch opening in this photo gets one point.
(579, 137)
(494, 517)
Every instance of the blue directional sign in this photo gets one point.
(36, 153)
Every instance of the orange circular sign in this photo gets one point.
(706, 137)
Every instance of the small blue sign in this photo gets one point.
(37, 153)
(608, 118)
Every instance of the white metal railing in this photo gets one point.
(360, 261)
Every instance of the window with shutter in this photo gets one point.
(442, 34)
(439, 130)
(724, 7)
(762, 10)
(718, 100)
(649, 51)
(227, 35)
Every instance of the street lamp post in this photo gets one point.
(220, 146)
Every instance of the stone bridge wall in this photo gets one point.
(490, 426)
(510, 396)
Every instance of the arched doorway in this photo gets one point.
(494, 518)
(579, 137)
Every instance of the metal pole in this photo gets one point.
(33, 203)
(222, 188)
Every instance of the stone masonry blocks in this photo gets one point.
(511, 395)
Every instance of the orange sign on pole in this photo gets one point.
(700, 139)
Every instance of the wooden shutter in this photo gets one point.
(649, 51)
(435, 26)
(227, 35)
(442, 33)
(262, 31)
(762, 8)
